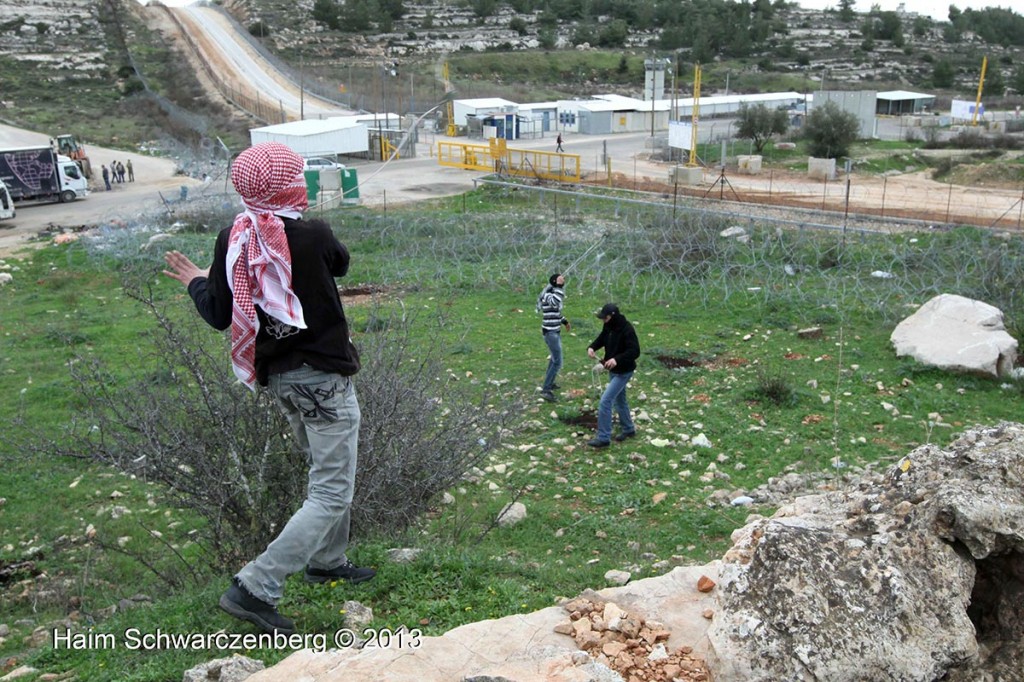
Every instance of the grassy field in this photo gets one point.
(717, 321)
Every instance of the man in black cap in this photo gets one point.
(621, 350)
(549, 304)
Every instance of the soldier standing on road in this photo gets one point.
(558, 143)
(131, 171)
(106, 177)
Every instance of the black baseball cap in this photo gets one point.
(607, 310)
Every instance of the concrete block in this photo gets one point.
(686, 175)
(821, 169)
(749, 164)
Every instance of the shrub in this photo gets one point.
(775, 387)
(183, 421)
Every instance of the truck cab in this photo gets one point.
(6, 203)
(73, 184)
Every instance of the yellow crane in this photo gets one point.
(449, 93)
(981, 84)
(696, 116)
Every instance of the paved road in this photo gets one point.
(236, 61)
(153, 177)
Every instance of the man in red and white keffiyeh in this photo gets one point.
(259, 265)
(273, 282)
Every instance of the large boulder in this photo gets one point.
(916, 575)
(959, 334)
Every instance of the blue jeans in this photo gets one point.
(614, 395)
(554, 341)
(323, 412)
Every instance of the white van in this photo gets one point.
(6, 203)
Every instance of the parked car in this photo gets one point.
(320, 163)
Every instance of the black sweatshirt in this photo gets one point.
(618, 338)
(317, 258)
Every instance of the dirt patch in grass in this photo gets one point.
(586, 419)
(363, 294)
(682, 361)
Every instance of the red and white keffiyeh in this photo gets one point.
(270, 181)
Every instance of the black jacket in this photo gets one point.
(618, 338)
(317, 258)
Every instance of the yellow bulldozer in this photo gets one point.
(68, 146)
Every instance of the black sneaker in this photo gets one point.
(555, 387)
(623, 436)
(549, 396)
(595, 443)
(239, 603)
(348, 572)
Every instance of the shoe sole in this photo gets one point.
(238, 612)
(321, 579)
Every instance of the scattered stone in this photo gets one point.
(405, 555)
(357, 615)
(701, 441)
(19, 672)
(615, 577)
(512, 514)
(705, 584)
(810, 333)
(633, 648)
(233, 669)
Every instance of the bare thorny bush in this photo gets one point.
(181, 420)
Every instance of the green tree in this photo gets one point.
(481, 8)
(357, 17)
(846, 11)
(831, 131)
(942, 74)
(995, 86)
(518, 24)
(1017, 81)
(547, 39)
(328, 13)
(758, 123)
(613, 34)
(393, 8)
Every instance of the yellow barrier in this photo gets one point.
(498, 158)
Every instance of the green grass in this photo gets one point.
(640, 506)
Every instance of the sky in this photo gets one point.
(936, 9)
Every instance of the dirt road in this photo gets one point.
(153, 177)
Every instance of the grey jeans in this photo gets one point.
(323, 412)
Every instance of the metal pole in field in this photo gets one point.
(949, 199)
(1021, 211)
(885, 183)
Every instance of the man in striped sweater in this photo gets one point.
(550, 305)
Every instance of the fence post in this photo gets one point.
(885, 183)
(949, 198)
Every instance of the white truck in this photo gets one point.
(40, 174)
(6, 203)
